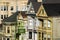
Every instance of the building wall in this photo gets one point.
(17, 5)
(56, 28)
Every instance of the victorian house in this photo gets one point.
(29, 20)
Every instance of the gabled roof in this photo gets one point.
(35, 4)
(13, 18)
(41, 11)
(52, 9)
(32, 0)
(51, 1)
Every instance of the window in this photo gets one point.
(37, 22)
(16, 8)
(30, 35)
(24, 8)
(5, 8)
(48, 37)
(30, 22)
(44, 36)
(1, 8)
(39, 34)
(8, 30)
(4, 16)
(1, 16)
(45, 23)
(7, 38)
(48, 23)
(25, 23)
(11, 7)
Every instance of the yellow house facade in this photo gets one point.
(45, 28)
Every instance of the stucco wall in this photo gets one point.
(56, 28)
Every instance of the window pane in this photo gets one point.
(48, 37)
(4, 16)
(30, 35)
(37, 22)
(1, 16)
(30, 22)
(11, 7)
(44, 36)
(1, 8)
(39, 34)
(7, 38)
(48, 23)
(8, 30)
(45, 23)
(5, 8)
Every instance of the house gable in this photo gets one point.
(31, 9)
(41, 12)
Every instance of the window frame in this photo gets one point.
(8, 29)
(12, 8)
(49, 24)
(30, 35)
(1, 16)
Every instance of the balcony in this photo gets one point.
(21, 31)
